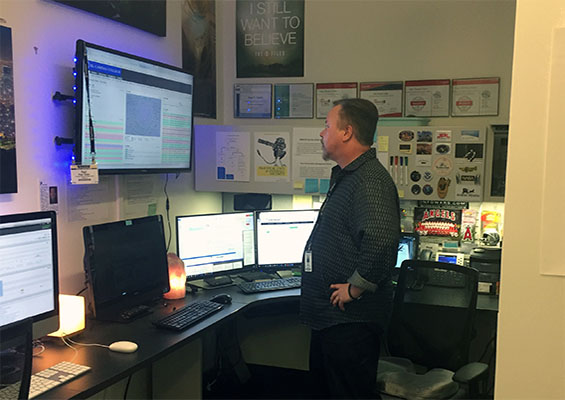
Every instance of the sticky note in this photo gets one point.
(382, 143)
(151, 209)
(400, 193)
(311, 185)
(324, 186)
(298, 185)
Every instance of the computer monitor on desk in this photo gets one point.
(407, 248)
(281, 237)
(29, 280)
(215, 245)
(126, 267)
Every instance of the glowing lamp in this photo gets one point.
(177, 278)
(71, 315)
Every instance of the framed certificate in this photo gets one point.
(252, 100)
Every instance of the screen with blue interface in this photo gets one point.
(215, 244)
(281, 237)
(28, 269)
(407, 248)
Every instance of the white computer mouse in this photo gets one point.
(123, 346)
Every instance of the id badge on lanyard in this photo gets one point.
(308, 261)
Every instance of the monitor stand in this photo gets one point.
(218, 280)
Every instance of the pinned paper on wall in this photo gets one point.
(324, 186)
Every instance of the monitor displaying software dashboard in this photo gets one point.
(282, 236)
(141, 112)
(216, 244)
(29, 281)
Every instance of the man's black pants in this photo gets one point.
(344, 360)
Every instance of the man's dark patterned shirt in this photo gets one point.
(355, 240)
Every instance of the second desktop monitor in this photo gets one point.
(230, 243)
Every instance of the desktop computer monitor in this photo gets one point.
(29, 280)
(407, 248)
(125, 265)
(282, 236)
(214, 245)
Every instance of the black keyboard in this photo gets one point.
(135, 312)
(442, 277)
(266, 286)
(188, 315)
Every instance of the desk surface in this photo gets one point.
(109, 367)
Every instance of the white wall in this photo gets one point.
(531, 329)
(373, 40)
(53, 29)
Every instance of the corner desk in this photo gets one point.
(169, 364)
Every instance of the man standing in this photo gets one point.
(346, 278)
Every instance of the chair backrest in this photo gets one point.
(433, 314)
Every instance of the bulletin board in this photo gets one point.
(260, 159)
(434, 162)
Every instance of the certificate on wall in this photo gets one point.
(472, 97)
(294, 100)
(327, 93)
(427, 98)
(386, 96)
(252, 100)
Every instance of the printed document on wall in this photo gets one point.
(272, 156)
(232, 156)
(307, 155)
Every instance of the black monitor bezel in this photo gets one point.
(81, 46)
(245, 268)
(52, 216)
(270, 268)
(156, 288)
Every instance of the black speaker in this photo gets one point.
(252, 202)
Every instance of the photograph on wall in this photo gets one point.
(148, 15)
(199, 52)
(8, 178)
(269, 38)
(437, 222)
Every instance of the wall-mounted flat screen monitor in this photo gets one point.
(407, 248)
(141, 112)
(126, 266)
(282, 236)
(215, 245)
(29, 280)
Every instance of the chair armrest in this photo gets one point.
(470, 372)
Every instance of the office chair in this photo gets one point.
(426, 350)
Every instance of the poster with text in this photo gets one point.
(8, 178)
(270, 38)
(272, 156)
